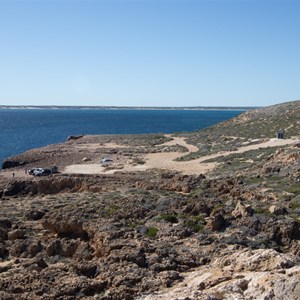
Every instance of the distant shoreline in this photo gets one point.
(244, 108)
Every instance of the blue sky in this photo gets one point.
(149, 53)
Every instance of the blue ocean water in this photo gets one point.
(23, 129)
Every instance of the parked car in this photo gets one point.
(39, 172)
(54, 169)
(33, 171)
(105, 161)
(44, 172)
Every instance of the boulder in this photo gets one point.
(16, 188)
(34, 248)
(5, 223)
(3, 234)
(65, 226)
(277, 210)
(271, 169)
(142, 230)
(3, 251)
(242, 210)
(74, 137)
(34, 215)
(16, 234)
(216, 222)
(86, 159)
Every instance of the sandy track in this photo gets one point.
(167, 160)
(182, 142)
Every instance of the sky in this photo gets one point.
(149, 53)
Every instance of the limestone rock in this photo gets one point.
(86, 159)
(3, 233)
(64, 226)
(216, 222)
(277, 210)
(17, 187)
(257, 261)
(35, 215)
(242, 210)
(244, 275)
(16, 234)
(12, 163)
(74, 137)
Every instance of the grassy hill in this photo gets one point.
(264, 122)
(250, 127)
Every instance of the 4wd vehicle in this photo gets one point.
(39, 172)
(34, 171)
(44, 172)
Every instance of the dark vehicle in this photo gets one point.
(44, 172)
(54, 169)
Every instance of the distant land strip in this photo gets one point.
(130, 107)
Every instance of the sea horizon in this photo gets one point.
(24, 129)
(244, 108)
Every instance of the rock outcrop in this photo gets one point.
(232, 233)
(245, 275)
(12, 163)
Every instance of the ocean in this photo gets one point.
(24, 129)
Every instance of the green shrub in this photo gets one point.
(169, 218)
(194, 224)
(110, 210)
(152, 232)
(295, 189)
(262, 211)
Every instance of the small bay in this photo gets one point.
(24, 129)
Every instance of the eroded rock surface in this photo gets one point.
(232, 233)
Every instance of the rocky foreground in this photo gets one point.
(230, 233)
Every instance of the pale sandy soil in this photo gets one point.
(93, 146)
(113, 145)
(182, 142)
(167, 160)
(18, 174)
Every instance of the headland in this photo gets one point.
(213, 214)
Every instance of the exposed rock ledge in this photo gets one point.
(245, 275)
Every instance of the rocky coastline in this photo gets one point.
(213, 214)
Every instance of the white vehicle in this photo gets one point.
(105, 161)
(34, 171)
(39, 172)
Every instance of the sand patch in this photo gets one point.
(113, 145)
(91, 146)
(168, 161)
(17, 174)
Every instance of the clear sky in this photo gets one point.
(149, 53)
